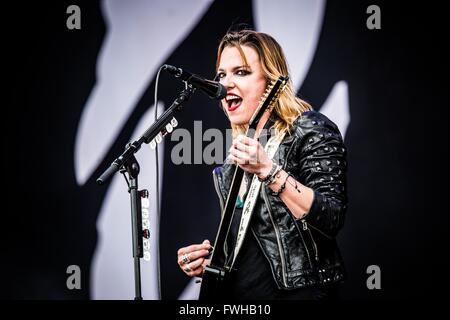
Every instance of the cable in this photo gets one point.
(158, 271)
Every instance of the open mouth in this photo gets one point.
(233, 101)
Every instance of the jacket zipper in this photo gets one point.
(283, 259)
(304, 223)
(305, 228)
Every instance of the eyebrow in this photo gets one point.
(236, 68)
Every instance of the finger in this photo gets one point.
(191, 268)
(211, 247)
(184, 259)
(240, 162)
(193, 256)
(252, 151)
(207, 262)
(246, 140)
(240, 154)
(250, 156)
(197, 272)
(242, 146)
(186, 269)
(193, 247)
(197, 263)
(180, 262)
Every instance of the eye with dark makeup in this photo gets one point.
(219, 76)
(243, 72)
(240, 72)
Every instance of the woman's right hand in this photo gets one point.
(192, 260)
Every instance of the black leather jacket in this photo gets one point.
(302, 252)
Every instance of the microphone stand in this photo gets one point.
(127, 163)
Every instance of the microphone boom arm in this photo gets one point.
(148, 135)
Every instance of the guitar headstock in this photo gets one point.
(269, 98)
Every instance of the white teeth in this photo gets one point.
(231, 97)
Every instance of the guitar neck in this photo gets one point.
(227, 216)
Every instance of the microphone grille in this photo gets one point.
(172, 70)
(221, 92)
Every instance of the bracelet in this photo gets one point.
(283, 186)
(271, 172)
(274, 176)
(295, 186)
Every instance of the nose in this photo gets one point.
(228, 81)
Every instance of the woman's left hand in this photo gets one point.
(250, 155)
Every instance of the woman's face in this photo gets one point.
(245, 85)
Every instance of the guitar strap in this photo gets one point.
(249, 204)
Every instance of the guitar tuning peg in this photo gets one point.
(174, 122)
(153, 144)
(169, 128)
(158, 138)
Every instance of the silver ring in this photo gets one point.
(186, 259)
(187, 269)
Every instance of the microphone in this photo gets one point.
(213, 89)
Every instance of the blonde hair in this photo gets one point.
(273, 62)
